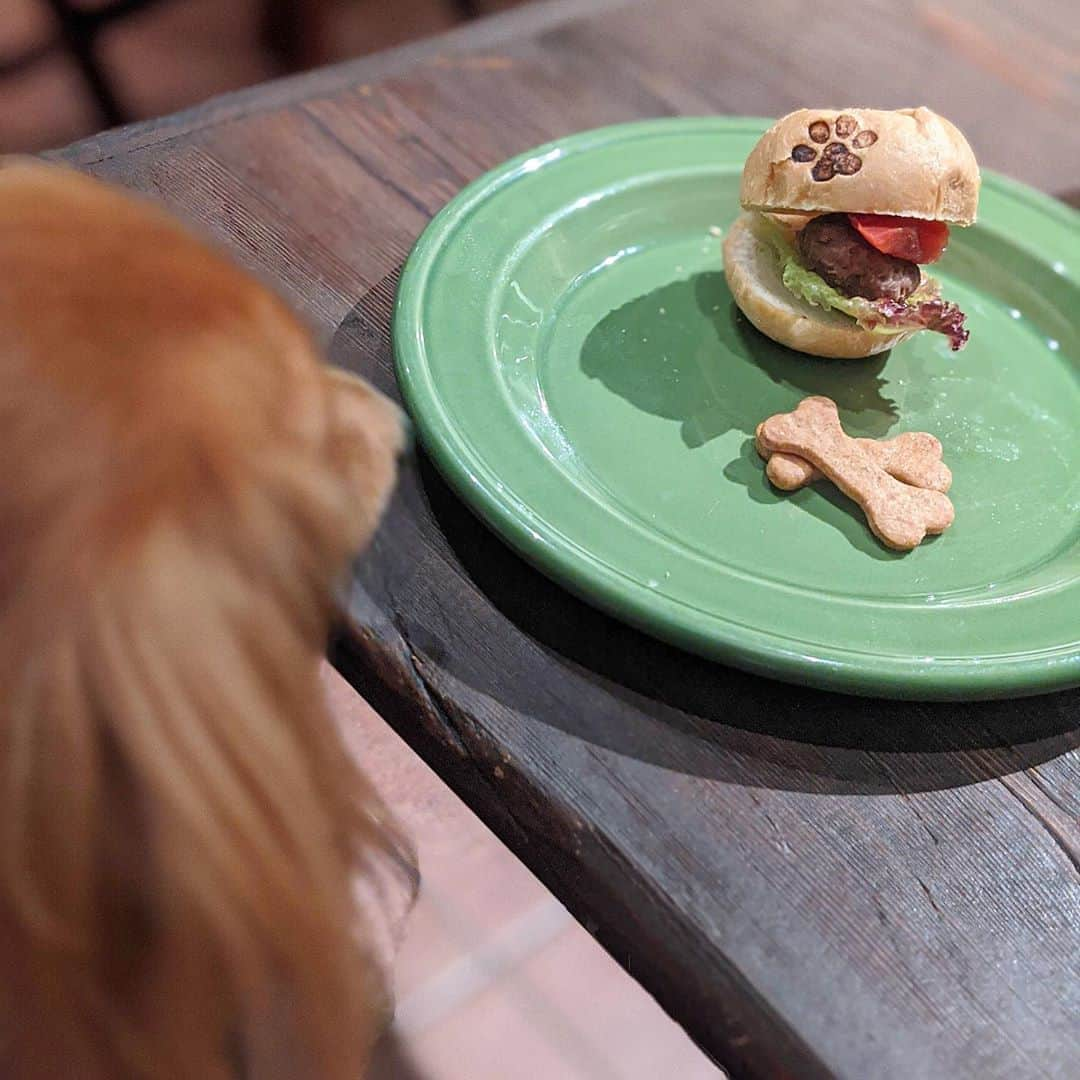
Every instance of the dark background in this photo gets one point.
(156, 56)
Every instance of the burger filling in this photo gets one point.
(831, 262)
(832, 249)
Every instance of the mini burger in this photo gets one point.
(845, 208)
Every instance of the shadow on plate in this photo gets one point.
(685, 352)
(822, 499)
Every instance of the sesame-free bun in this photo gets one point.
(910, 162)
(753, 275)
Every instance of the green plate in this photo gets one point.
(572, 358)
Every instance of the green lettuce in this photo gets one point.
(814, 289)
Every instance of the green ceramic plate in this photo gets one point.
(571, 355)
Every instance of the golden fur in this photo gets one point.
(181, 827)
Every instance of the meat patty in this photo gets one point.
(831, 247)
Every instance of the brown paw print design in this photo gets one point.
(836, 157)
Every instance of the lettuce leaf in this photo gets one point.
(922, 310)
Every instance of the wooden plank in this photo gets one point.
(811, 884)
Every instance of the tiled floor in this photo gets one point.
(495, 980)
(181, 52)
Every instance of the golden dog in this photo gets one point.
(181, 827)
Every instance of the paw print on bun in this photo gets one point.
(835, 157)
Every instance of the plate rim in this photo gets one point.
(591, 579)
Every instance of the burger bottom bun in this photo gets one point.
(752, 269)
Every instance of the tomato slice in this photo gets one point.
(913, 239)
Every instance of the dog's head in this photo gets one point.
(184, 482)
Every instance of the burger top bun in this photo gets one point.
(910, 162)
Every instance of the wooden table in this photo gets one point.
(812, 885)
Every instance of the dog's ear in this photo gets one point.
(367, 436)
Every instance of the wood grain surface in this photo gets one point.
(813, 885)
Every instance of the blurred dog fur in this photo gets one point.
(181, 827)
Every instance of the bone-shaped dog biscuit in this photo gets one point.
(913, 457)
(899, 514)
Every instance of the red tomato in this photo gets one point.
(913, 239)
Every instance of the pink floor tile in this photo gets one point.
(565, 1011)
(586, 994)
(24, 23)
(495, 979)
(43, 106)
(221, 51)
(471, 885)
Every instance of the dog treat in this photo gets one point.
(900, 514)
(913, 457)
